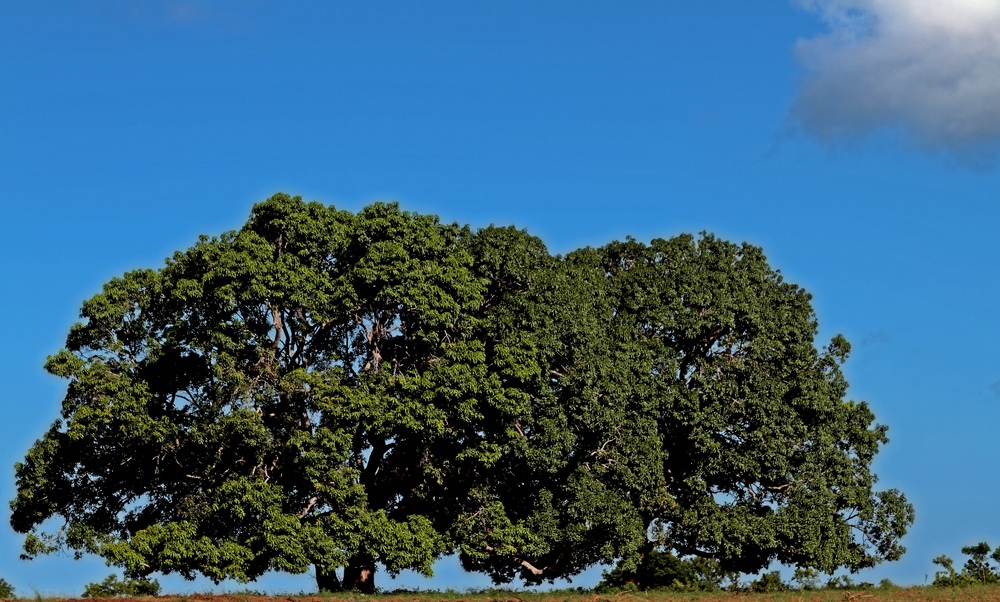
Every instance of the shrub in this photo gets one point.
(6, 590)
(111, 587)
(976, 570)
(769, 583)
(806, 578)
(841, 582)
(663, 570)
(845, 582)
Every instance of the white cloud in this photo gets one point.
(929, 67)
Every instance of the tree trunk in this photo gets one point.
(642, 571)
(359, 575)
(327, 581)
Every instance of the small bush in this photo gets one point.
(841, 582)
(248, 593)
(6, 590)
(660, 570)
(769, 583)
(113, 588)
(806, 578)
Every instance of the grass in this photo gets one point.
(902, 594)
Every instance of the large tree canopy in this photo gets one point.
(681, 404)
(322, 389)
(758, 455)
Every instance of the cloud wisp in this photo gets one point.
(930, 68)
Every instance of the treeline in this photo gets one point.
(663, 571)
(981, 567)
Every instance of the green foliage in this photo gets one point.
(841, 582)
(685, 400)
(845, 582)
(663, 570)
(294, 394)
(769, 583)
(334, 391)
(6, 590)
(806, 578)
(978, 565)
(977, 570)
(112, 587)
(735, 442)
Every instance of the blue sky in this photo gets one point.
(854, 140)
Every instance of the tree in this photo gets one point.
(112, 587)
(976, 570)
(685, 397)
(546, 509)
(769, 582)
(296, 394)
(334, 390)
(663, 570)
(757, 456)
(806, 578)
(680, 405)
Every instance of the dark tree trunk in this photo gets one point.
(327, 581)
(359, 574)
(641, 578)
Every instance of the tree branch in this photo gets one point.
(278, 330)
(524, 563)
(309, 506)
